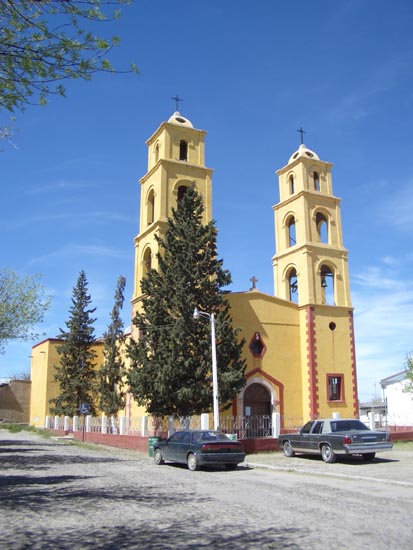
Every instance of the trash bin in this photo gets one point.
(151, 443)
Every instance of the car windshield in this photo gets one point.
(210, 436)
(347, 426)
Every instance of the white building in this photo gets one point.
(399, 401)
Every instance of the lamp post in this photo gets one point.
(211, 318)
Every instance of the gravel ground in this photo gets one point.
(57, 495)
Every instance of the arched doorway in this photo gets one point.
(257, 411)
(257, 400)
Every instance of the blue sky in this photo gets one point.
(250, 73)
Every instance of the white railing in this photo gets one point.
(242, 426)
(122, 425)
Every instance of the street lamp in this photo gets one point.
(211, 318)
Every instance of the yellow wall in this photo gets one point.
(324, 352)
(277, 321)
(44, 388)
(285, 366)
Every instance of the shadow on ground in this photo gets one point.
(25, 455)
(351, 460)
(182, 536)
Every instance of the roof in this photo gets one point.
(394, 378)
(305, 152)
(180, 120)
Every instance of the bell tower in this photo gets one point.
(176, 160)
(311, 270)
(311, 263)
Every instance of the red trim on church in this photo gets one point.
(353, 365)
(312, 362)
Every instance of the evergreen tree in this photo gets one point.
(111, 396)
(171, 372)
(76, 374)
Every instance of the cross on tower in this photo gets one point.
(301, 131)
(254, 282)
(177, 99)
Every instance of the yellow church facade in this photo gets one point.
(299, 347)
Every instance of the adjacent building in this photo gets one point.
(398, 402)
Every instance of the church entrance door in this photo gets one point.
(257, 400)
(257, 410)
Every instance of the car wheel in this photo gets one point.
(192, 462)
(231, 466)
(368, 456)
(288, 449)
(157, 457)
(327, 454)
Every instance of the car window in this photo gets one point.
(357, 425)
(185, 438)
(209, 436)
(177, 437)
(318, 427)
(307, 427)
(347, 426)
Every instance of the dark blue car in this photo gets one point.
(199, 448)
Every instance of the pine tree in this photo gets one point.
(111, 395)
(76, 374)
(171, 362)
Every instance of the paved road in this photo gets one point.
(55, 495)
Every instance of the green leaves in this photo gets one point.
(409, 373)
(23, 302)
(44, 43)
(171, 362)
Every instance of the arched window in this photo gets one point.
(183, 150)
(151, 207)
(322, 228)
(147, 261)
(293, 285)
(181, 191)
(316, 178)
(291, 231)
(327, 285)
(291, 184)
(156, 151)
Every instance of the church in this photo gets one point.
(300, 349)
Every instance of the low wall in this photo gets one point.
(15, 401)
(401, 436)
(134, 442)
(259, 445)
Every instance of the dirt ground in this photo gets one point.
(57, 495)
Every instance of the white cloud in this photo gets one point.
(397, 209)
(75, 250)
(97, 216)
(383, 301)
(382, 78)
(60, 185)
